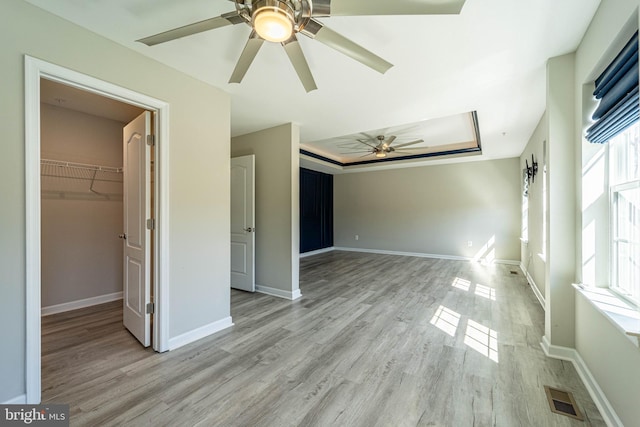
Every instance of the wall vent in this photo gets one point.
(562, 402)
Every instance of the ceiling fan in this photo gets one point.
(279, 21)
(381, 146)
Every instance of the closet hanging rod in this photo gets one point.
(84, 166)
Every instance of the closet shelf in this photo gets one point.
(71, 180)
(63, 169)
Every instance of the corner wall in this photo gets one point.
(561, 203)
(532, 261)
(277, 206)
(199, 175)
(434, 210)
(611, 357)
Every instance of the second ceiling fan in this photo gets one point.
(280, 21)
(380, 146)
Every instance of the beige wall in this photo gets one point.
(578, 213)
(198, 176)
(611, 357)
(532, 262)
(81, 251)
(561, 202)
(277, 205)
(432, 210)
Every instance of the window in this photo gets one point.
(543, 251)
(624, 185)
(525, 207)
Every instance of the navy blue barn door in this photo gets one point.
(316, 210)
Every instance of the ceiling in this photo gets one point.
(454, 134)
(71, 98)
(489, 59)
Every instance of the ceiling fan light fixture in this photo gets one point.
(381, 154)
(273, 21)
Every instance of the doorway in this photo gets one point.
(35, 70)
(85, 163)
(243, 266)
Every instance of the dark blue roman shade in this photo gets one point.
(617, 90)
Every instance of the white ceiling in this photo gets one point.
(490, 59)
(71, 98)
(430, 137)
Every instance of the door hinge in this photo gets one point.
(151, 140)
(151, 308)
(151, 224)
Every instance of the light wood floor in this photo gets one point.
(376, 340)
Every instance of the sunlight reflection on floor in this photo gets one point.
(461, 284)
(446, 320)
(482, 339)
(485, 292)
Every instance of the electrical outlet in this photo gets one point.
(470, 243)
(357, 237)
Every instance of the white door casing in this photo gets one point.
(243, 223)
(34, 70)
(137, 236)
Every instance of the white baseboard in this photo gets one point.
(199, 333)
(18, 400)
(82, 303)
(507, 262)
(422, 255)
(564, 353)
(534, 286)
(317, 252)
(290, 295)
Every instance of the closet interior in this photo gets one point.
(81, 197)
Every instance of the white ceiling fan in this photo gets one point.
(280, 21)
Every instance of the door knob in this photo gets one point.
(250, 230)
(122, 236)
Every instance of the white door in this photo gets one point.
(242, 223)
(137, 237)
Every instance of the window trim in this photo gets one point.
(613, 262)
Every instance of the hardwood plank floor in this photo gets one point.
(376, 340)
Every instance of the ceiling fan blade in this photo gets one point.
(316, 30)
(374, 139)
(390, 140)
(387, 7)
(231, 18)
(418, 141)
(246, 58)
(296, 56)
(364, 141)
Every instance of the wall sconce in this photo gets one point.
(532, 170)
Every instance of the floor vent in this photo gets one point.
(513, 272)
(562, 402)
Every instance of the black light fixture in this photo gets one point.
(531, 170)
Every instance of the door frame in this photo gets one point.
(35, 69)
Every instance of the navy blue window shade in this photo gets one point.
(617, 90)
